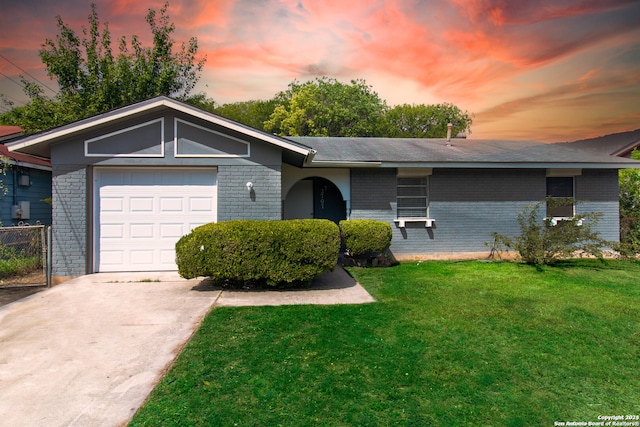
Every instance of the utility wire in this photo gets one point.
(19, 84)
(27, 73)
(8, 98)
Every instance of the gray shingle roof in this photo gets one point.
(616, 144)
(459, 152)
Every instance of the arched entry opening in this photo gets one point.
(315, 197)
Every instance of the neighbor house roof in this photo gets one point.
(25, 159)
(617, 144)
(39, 144)
(409, 152)
(9, 130)
(8, 133)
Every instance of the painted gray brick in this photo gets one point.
(69, 220)
(373, 189)
(469, 205)
(235, 202)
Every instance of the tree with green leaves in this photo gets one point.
(326, 107)
(424, 121)
(201, 101)
(629, 181)
(252, 113)
(92, 80)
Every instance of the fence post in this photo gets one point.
(43, 251)
(49, 257)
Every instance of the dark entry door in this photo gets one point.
(327, 201)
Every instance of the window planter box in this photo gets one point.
(556, 219)
(428, 222)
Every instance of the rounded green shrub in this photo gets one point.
(269, 251)
(363, 236)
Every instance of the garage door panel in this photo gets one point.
(141, 204)
(112, 257)
(141, 231)
(112, 204)
(172, 230)
(167, 256)
(171, 204)
(111, 231)
(142, 257)
(200, 204)
(141, 214)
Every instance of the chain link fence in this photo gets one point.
(24, 255)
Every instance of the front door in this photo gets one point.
(315, 198)
(327, 201)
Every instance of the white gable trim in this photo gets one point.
(176, 141)
(149, 105)
(236, 127)
(125, 130)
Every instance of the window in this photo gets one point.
(560, 187)
(412, 197)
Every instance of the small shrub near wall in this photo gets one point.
(546, 240)
(264, 251)
(366, 241)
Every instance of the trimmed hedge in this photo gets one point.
(271, 251)
(363, 236)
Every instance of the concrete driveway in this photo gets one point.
(89, 352)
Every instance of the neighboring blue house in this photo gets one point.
(129, 183)
(26, 198)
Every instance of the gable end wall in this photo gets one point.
(72, 187)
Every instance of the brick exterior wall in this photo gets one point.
(235, 202)
(69, 244)
(373, 189)
(469, 205)
(597, 191)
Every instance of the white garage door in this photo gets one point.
(141, 213)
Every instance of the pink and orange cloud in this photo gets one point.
(547, 70)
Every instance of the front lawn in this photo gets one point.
(447, 343)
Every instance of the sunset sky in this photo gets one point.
(547, 70)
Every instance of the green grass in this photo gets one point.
(466, 343)
(16, 266)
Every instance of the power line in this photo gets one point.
(19, 84)
(27, 73)
(7, 97)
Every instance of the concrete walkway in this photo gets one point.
(89, 351)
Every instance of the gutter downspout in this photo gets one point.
(309, 157)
